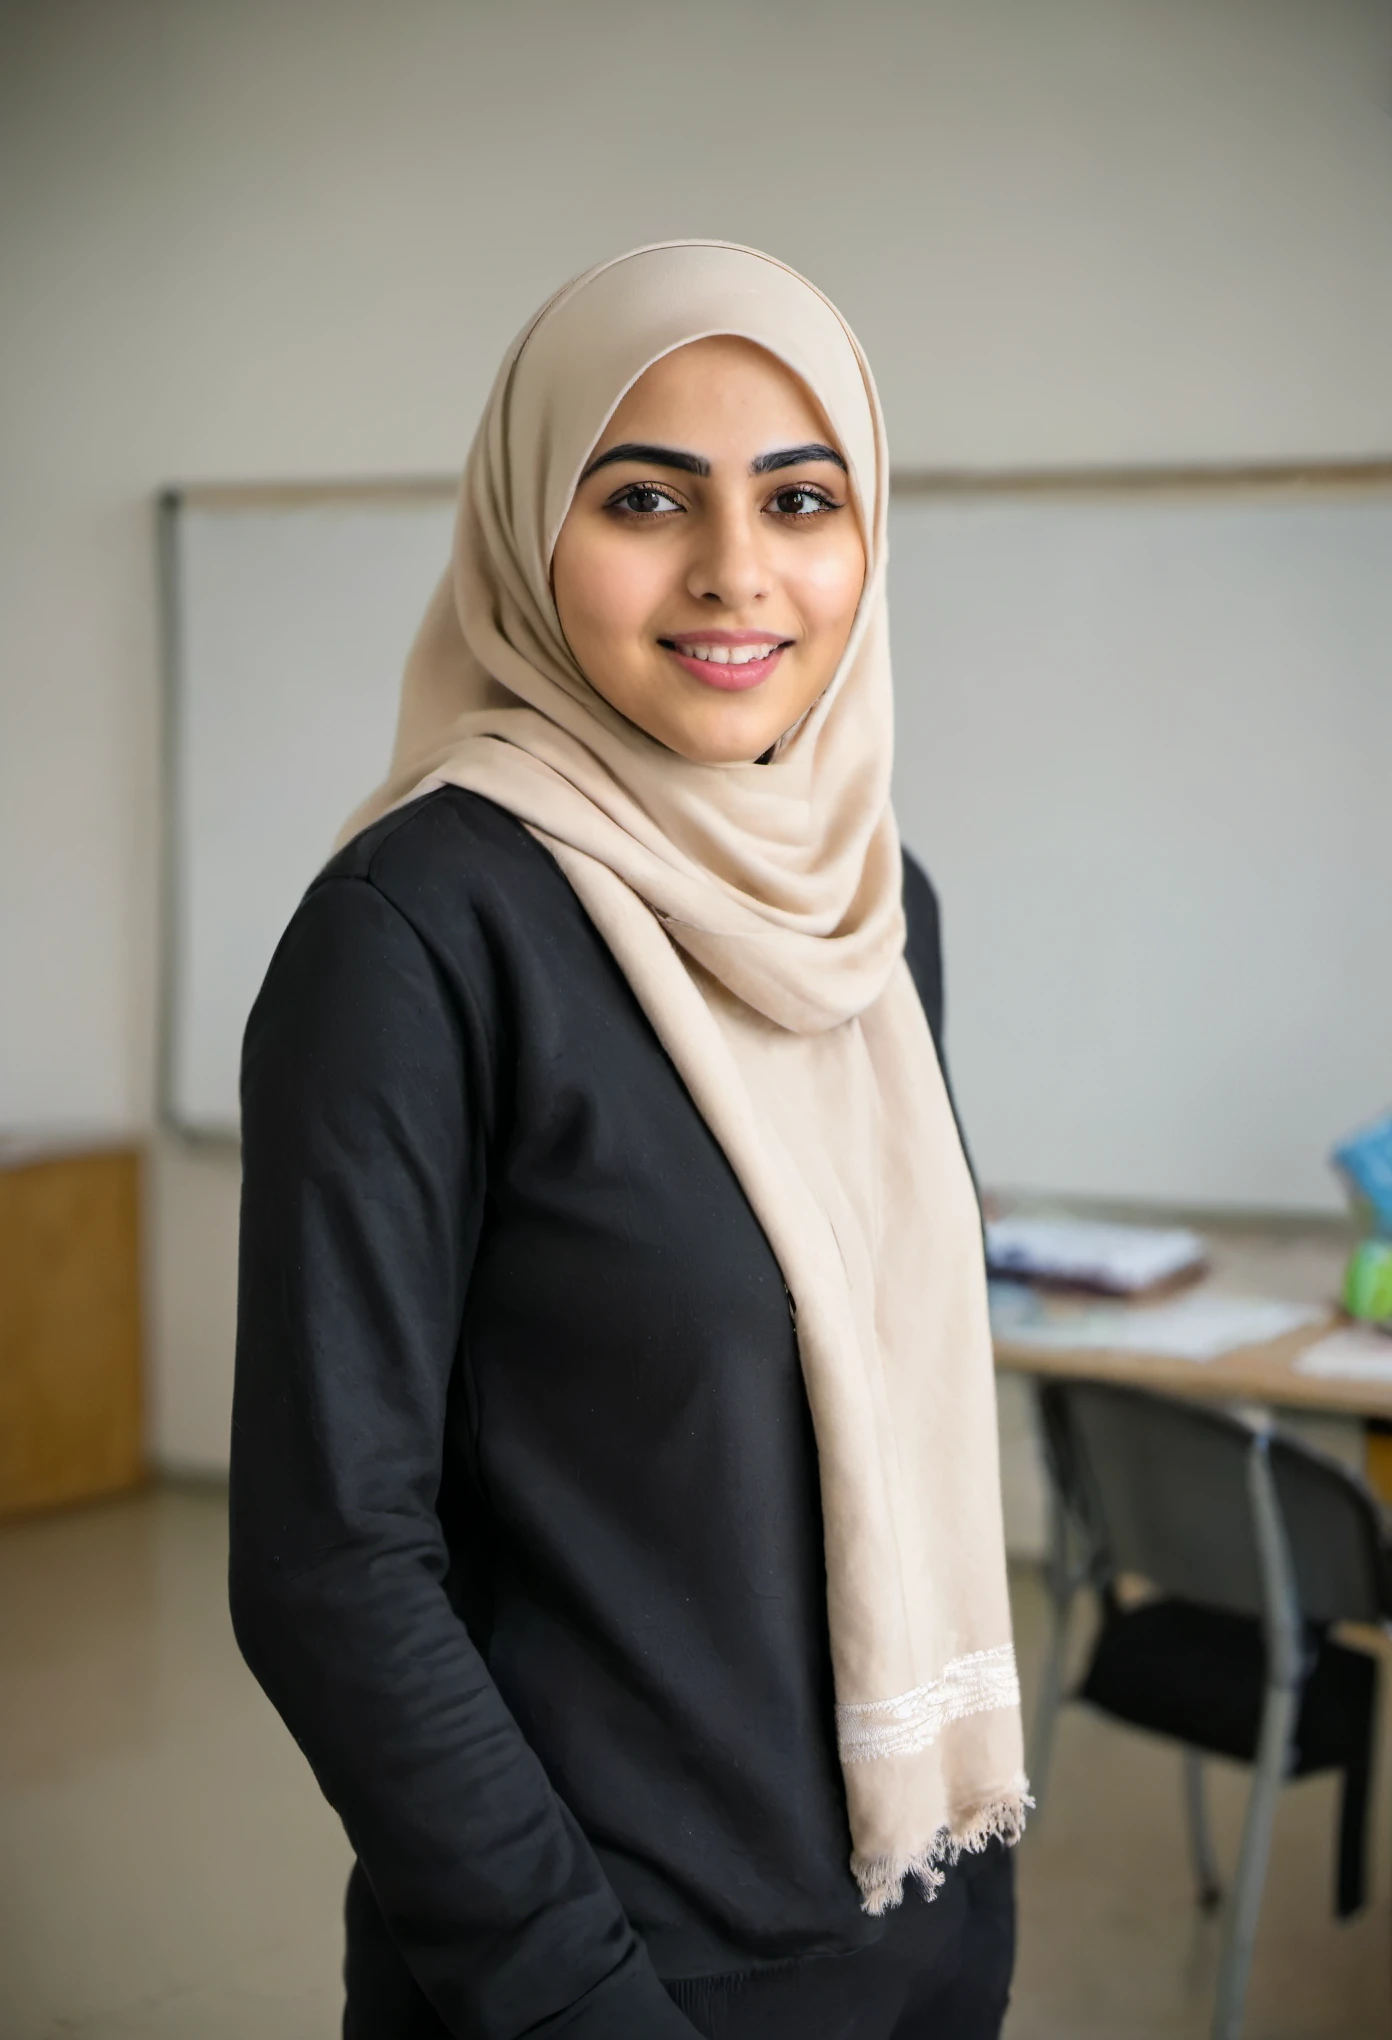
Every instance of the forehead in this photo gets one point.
(716, 394)
(591, 346)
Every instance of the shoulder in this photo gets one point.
(471, 882)
(443, 856)
(401, 933)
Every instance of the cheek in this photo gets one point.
(606, 589)
(826, 583)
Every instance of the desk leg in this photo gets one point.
(1062, 1578)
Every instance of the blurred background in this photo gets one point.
(1124, 272)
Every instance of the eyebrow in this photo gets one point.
(697, 464)
(654, 456)
(794, 456)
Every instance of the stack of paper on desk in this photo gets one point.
(1199, 1327)
(1353, 1353)
(1122, 1260)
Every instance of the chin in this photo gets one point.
(734, 730)
(722, 746)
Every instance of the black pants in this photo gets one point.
(942, 1972)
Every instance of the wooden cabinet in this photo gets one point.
(71, 1417)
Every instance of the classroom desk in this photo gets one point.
(1297, 1266)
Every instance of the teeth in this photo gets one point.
(728, 655)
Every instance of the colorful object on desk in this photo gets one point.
(1368, 1282)
(1364, 1161)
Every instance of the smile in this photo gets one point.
(730, 660)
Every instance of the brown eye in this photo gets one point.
(644, 499)
(801, 501)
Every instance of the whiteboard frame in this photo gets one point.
(1260, 479)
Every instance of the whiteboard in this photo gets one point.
(1144, 747)
(289, 621)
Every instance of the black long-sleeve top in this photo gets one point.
(526, 1535)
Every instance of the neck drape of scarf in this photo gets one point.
(755, 910)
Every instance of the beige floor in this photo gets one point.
(167, 1868)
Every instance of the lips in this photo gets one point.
(730, 660)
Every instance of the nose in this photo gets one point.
(727, 568)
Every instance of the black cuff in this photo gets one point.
(630, 2004)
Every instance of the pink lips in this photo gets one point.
(730, 679)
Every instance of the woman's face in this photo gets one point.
(708, 571)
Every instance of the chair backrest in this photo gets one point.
(1163, 1488)
(1337, 1532)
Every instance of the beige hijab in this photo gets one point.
(756, 912)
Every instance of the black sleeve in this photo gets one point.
(364, 1181)
(923, 954)
(923, 948)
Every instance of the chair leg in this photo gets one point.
(1208, 1889)
(1244, 1903)
(1046, 1711)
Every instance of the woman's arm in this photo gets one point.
(364, 1175)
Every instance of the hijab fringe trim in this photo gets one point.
(974, 1684)
(881, 1878)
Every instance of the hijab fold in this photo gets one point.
(756, 911)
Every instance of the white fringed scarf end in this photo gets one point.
(881, 1878)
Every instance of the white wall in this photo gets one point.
(291, 237)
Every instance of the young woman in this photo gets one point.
(615, 1514)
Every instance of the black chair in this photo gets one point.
(1249, 1545)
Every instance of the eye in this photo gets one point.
(801, 499)
(643, 499)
